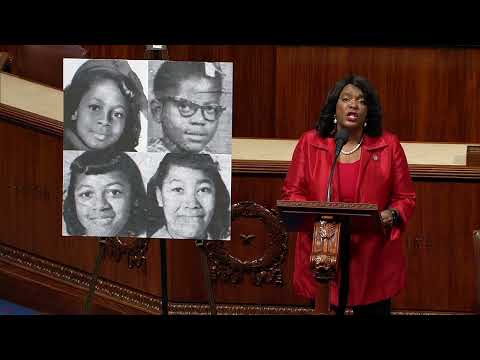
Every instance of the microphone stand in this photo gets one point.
(332, 171)
(344, 240)
(341, 139)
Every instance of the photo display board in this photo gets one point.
(147, 149)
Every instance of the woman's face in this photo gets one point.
(101, 115)
(351, 109)
(103, 202)
(190, 133)
(188, 200)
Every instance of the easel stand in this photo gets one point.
(93, 282)
(160, 52)
(114, 247)
(200, 244)
(163, 274)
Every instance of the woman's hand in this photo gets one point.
(387, 217)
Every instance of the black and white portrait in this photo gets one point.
(105, 104)
(190, 107)
(104, 194)
(156, 166)
(189, 196)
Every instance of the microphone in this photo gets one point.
(341, 138)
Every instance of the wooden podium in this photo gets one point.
(331, 223)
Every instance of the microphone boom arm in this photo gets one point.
(330, 178)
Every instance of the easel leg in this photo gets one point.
(93, 281)
(160, 52)
(163, 271)
(206, 275)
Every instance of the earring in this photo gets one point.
(365, 124)
(74, 116)
(334, 119)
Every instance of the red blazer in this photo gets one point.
(377, 267)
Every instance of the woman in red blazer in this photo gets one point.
(371, 168)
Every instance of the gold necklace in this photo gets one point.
(354, 149)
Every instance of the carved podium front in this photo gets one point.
(330, 222)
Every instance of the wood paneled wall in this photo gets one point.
(31, 187)
(438, 242)
(428, 94)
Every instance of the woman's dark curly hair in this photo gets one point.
(83, 82)
(325, 125)
(219, 227)
(102, 162)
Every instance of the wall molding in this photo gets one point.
(43, 272)
(267, 167)
(473, 155)
(270, 167)
(78, 279)
(31, 120)
(134, 299)
(266, 269)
